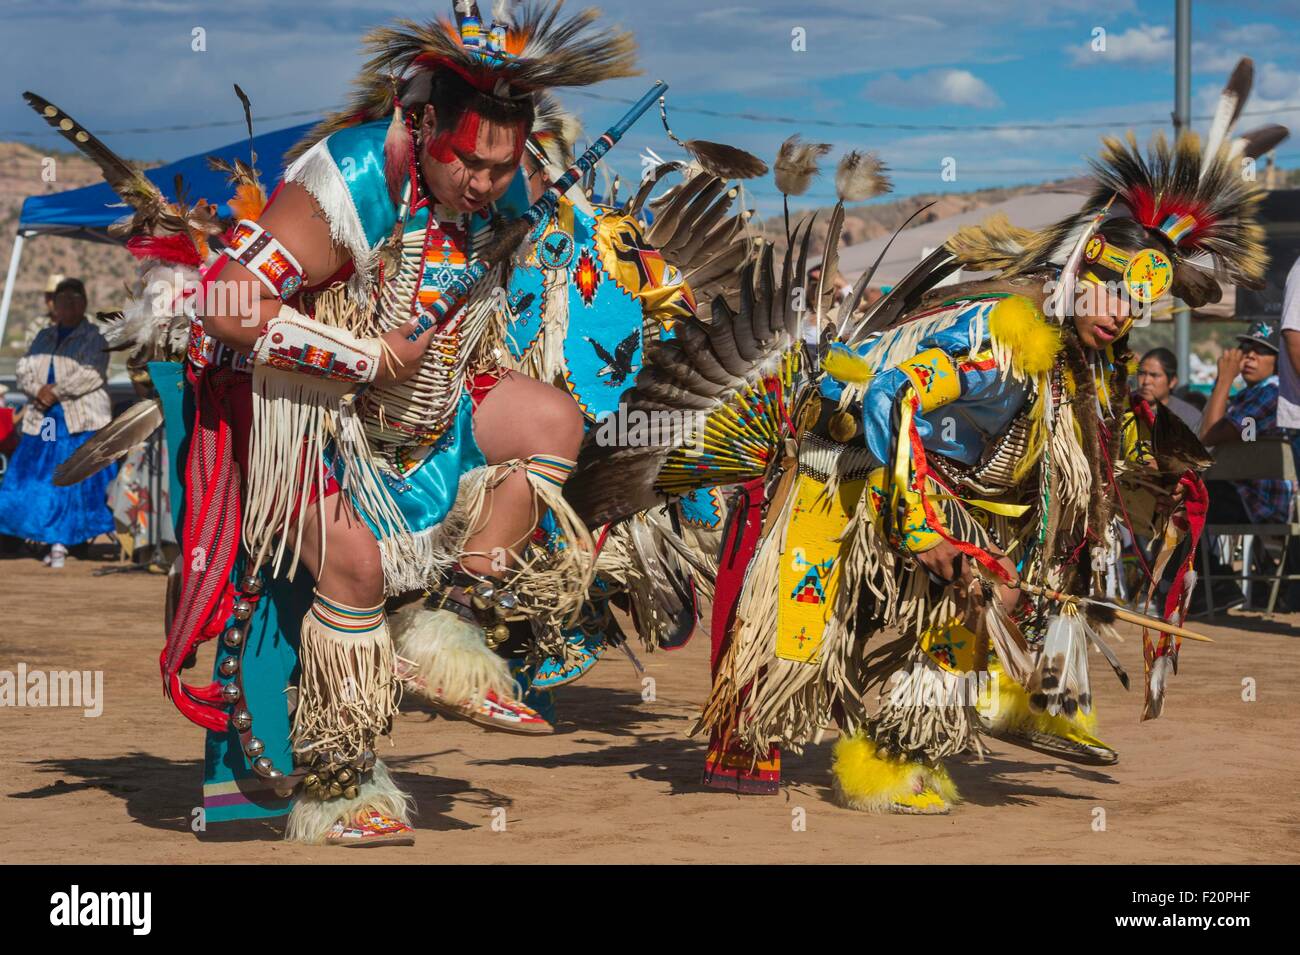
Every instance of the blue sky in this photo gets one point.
(126, 64)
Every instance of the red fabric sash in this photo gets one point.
(728, 764)
(739, 541)
(922, 471)
(209, 543)
(1196, 504)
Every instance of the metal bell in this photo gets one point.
(233, 638)
(229, 666)
(254, 748)
(350, 792)
(335, 790)
(497, 635)
(311, 780)
(251, 584)
(230, 693)
(263, 767)
(243, 609)
(242, 720)
(345, 776)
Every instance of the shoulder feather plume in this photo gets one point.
(860, 176)
(796, 164)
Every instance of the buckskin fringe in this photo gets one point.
(293, 419)
(347, 692)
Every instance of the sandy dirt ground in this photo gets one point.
(1213, 780)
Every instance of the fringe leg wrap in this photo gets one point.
(553, 582)
(347, 691)
(867, 779)
(312, 818)
(453, 662)
(926, 711)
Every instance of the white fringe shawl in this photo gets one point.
(316, 171)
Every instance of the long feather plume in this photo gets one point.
(1231, 102)
(723, 161)
(152, 210)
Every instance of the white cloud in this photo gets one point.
(1250, 35)
(1274, 82)
(933, 88)
(1144, 45)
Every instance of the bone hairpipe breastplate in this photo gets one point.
(418, 411)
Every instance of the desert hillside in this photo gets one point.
(101, 266)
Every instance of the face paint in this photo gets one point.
(463, 139)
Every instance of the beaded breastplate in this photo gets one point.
(425, 254)
(994, 473)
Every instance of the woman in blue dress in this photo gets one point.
(63, 375)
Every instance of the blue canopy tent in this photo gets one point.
(87, 213)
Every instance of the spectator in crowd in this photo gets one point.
(1288, 366)
(63, 374)
(1252, 413)
(1157, 378)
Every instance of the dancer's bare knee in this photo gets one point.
(557, 425)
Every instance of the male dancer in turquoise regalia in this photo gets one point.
(375, 454)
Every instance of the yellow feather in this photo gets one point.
(847, 366)
(867, 781)
(1018, 325)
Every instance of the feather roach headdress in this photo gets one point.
(1161, 211)
(1179, 218)
(507, 63)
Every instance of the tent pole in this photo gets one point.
(9, 285)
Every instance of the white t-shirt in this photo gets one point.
(1288, 399)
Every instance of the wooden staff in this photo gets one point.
(1141, 620)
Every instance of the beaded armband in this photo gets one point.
(293, 342)
(934, 377)
(263, 254)
(917, 535)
